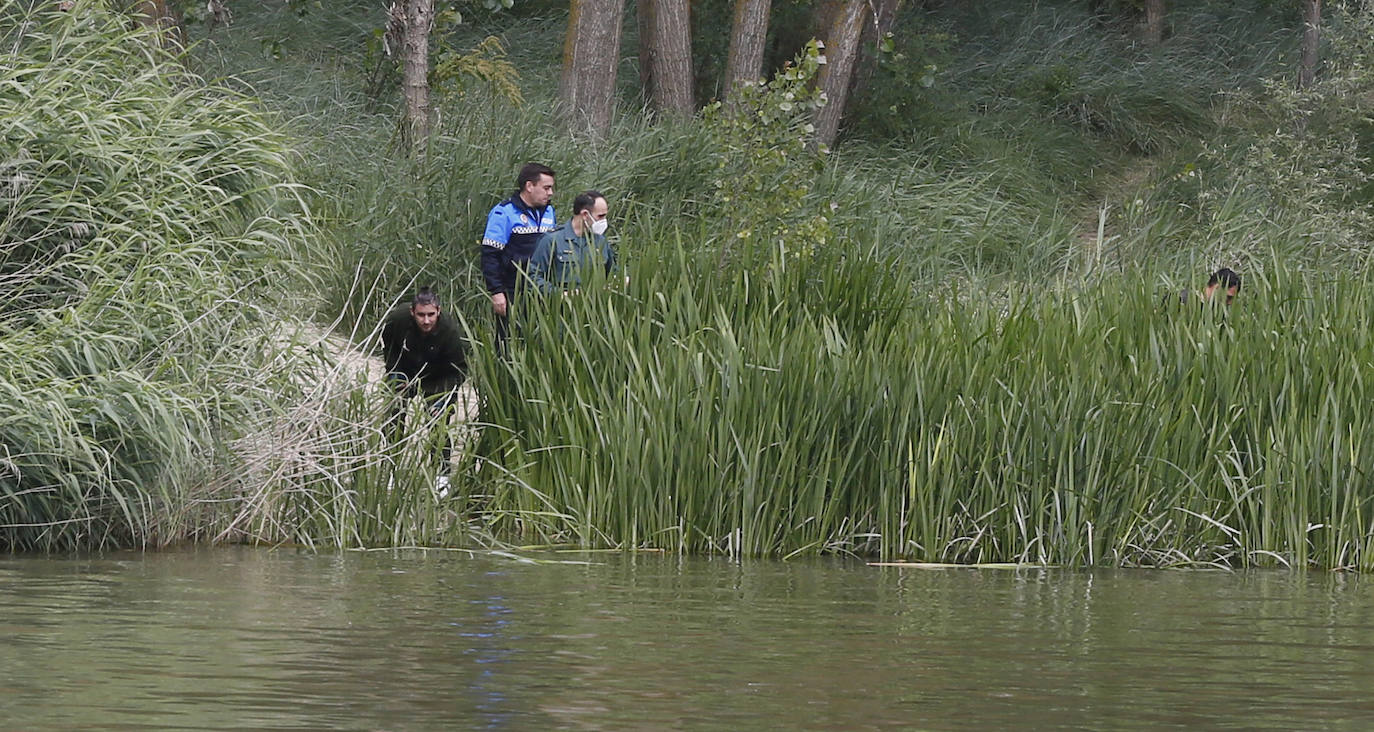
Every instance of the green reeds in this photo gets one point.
(1066, 428)
(901, 392)
(145, 224)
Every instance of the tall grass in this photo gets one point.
(144, 222)
(1052, 101)
(956, 375)
(326, 473)
(1060, 427)
(962, 376)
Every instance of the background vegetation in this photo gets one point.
(147, 222)
(941, 340)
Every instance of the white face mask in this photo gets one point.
(599, 227)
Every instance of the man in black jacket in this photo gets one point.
(424, 355)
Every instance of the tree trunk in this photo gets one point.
(874, 33)
(591, 54)
(823, 17)
(644, 21)
(162, 17)
(841, 55)
(671, 59)
(745, 62)
(419, 21)
(1311, 40)
(1153, 28)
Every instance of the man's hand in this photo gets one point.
(498, 304)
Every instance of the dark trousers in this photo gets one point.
(438, 405)
(506, 325)
(502, 332)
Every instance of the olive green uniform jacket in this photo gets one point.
(562, 259)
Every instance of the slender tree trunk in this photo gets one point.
(1153, 27)
(418, 22)
(671, 62)
(874, 33)
(644, 22)
(1311, 40)
(591, 54)
(841, 55)
(161, 16)
(750, 30)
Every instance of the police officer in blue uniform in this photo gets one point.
(514, 226)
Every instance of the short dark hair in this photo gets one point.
(425, 296)
(1226, 278)
(585, 200)
(531, 172)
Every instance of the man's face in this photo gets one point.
(538, 193)
(1212, 290)
(426, 317)
(596, 213)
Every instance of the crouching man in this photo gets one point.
(424, 354)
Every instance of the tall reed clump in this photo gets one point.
(820, 407)
(143, 218)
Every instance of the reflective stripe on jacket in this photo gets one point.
(512, 231)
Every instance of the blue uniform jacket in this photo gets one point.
(513, 229)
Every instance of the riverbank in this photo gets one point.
(892, 350)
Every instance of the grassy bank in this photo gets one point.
(969, 360)
(942, 341)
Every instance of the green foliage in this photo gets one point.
(1048, 103)
(454, 73)
(1041, 426)
(765, 167)
(1293, 172)
(910, 354)
(907, 66)
(144, 221)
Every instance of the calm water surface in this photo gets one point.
(261, 639)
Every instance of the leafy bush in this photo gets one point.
(1291, 172)
(146, 219)
(765, 167)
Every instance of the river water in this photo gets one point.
(243, 638)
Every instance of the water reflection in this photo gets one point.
(244, 638)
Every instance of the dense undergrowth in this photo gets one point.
(1070, 427)
(146, 223)
(942, 341)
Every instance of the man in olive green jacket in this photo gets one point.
(575, 250)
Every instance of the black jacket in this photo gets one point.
(437, 362)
